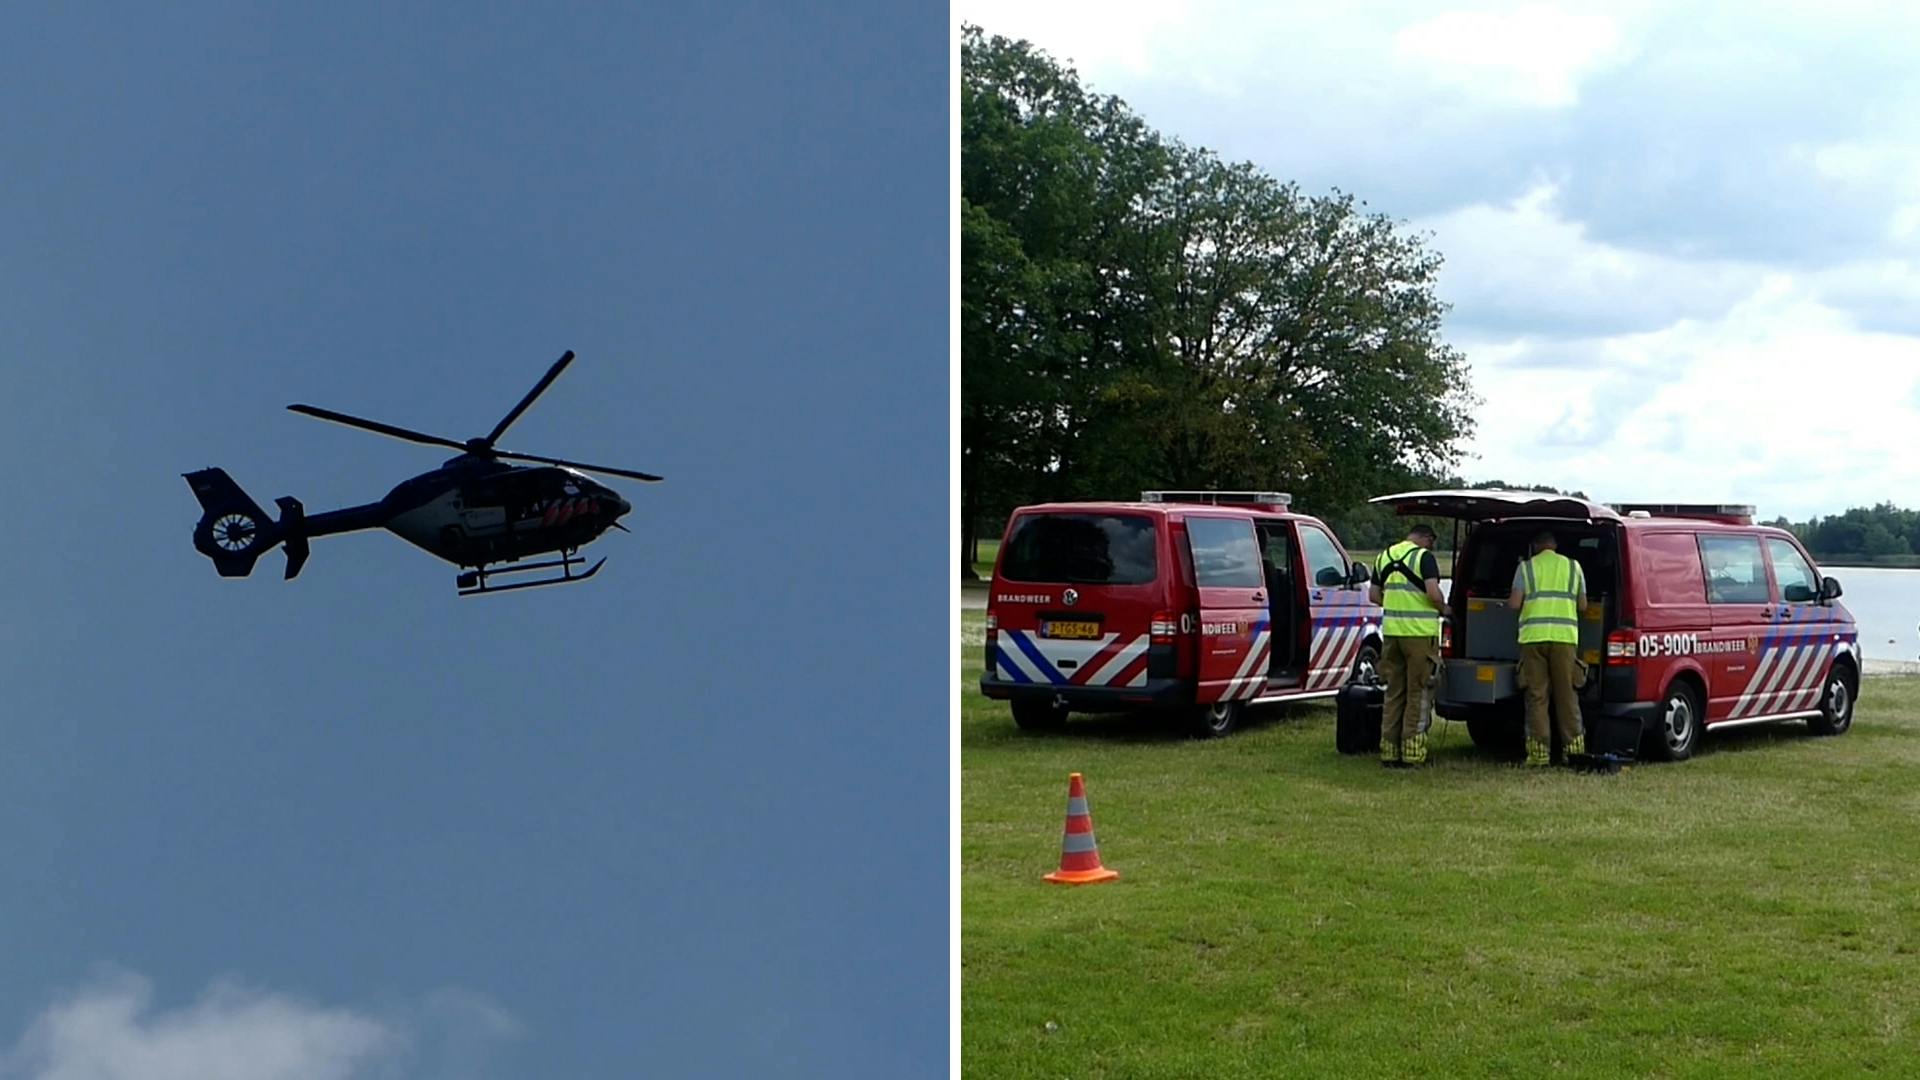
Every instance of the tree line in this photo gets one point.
(1137, 313)
(1876, 532)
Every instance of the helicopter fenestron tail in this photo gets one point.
(234, 532)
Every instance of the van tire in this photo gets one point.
(1676, 725)
(1218, 719)
(1838, 696)
(1037, 714)
(1493, 732)
(1366, 666)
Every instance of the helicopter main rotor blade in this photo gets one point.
(540, 387)
(375, 425)
(609, 470)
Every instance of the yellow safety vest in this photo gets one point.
(1408, 611)
(1549, 612)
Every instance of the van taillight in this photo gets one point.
(1165, 625)
(1446, 637)
(993, 622)
(1623, 647)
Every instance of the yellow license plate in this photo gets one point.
(1476, 605)
(1079, 631)
(1483, 673)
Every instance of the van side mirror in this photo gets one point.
(1829, 589)
(1358, 576)
(1798, 594)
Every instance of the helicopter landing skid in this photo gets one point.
(474, 582)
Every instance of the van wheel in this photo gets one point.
(1218, 719)
(1677, 725)
(1366, 667)
(1039, 714)
(1836, 702)
(1493, 732)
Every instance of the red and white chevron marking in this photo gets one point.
(1788, 679)
(1252, 676)
(1108, 661)
(1332, 653)
(561, 511)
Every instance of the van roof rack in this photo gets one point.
(1725, 513)
(1269, 500)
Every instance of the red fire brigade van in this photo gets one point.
(1696, 618)
(1198, 602)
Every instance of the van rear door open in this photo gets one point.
(1485, 631)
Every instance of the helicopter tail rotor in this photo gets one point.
(234, 532)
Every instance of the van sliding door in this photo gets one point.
(1234, 631)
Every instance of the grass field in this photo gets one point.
(1285, 911)
(989, 550)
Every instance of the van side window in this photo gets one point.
(1790, 569)
(1735, 572)
(1669, 564)
(1224, 553)
(1325, 567)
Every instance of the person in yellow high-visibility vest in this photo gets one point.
(1550, 592)
(1406, 584)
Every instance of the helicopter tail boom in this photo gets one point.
(234, 532)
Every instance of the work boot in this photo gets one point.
(1416, 750)
(1538, 752)
(1390, 754)
(1578, 745)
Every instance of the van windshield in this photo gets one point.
(1086, 549)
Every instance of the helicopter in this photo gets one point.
(474, 511)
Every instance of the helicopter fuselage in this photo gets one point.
(475, 512)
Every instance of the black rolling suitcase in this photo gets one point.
(1357, 718)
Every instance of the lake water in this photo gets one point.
(1886, 604)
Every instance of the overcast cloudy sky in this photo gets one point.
(1683, 235)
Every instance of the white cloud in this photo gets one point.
(110, 1030)
(1782, 403)
(1529, 56)
(1110, 37)
(1524, 268)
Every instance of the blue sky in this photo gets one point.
(689, 819)
(1672, 231)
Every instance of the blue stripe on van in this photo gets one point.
(1039, 659)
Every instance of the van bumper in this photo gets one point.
(1155, 694)
(1643, 713)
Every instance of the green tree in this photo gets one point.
(1050, 177)
(1880, 540)
(1138, 313)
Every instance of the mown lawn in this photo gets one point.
(1285, 911)
(988, 551)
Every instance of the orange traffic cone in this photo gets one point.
(1079, 855)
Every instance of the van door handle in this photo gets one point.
(1259, 597)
